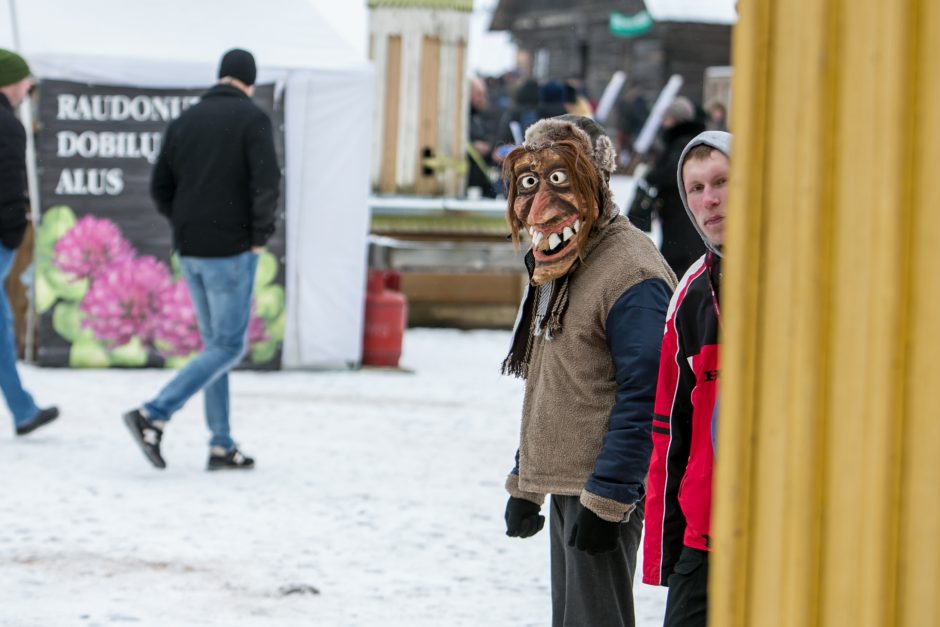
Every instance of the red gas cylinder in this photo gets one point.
(386, 314)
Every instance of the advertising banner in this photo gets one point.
(108, 287)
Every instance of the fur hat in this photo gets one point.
(596, 144)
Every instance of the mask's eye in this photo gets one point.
(558, 177)
(528, 181)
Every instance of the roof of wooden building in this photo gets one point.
(452, 5)
(693, 11)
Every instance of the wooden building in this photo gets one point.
(591, 39)
(455, 263)
(421, 101)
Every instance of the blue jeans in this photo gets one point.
(21, 404)
(220, 288)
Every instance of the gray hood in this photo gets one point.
(716, 139)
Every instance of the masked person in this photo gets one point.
(586, 342)
(676, 546)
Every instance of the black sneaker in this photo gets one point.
(234, 460)
(42, 417)
(147, 436)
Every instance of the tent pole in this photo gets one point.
(26, 115)
(14, 25)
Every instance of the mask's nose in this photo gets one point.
(544, 207)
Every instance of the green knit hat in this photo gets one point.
(13, 68)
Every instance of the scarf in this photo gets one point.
(541, 313)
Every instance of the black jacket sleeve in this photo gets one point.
(264, 177)
(13, 186)
(162, 181)
(663, 173)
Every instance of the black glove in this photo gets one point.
(522, 518)
(594, 534)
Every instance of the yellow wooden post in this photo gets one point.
(827, 489)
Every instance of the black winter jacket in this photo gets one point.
(681, 242)
(13, 188)
(217, 177)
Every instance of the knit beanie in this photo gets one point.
(239, 64)
(13, 68)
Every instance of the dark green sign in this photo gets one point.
(630, 25)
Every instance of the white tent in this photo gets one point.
(328, 113)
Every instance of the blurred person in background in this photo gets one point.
(15, 85)
(576, 103)
(525, 111)
(480, 148)
(681, 244)
(717, 116)
(521, 115)
(631, 115)
(552, 99)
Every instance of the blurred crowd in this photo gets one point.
(502, 107)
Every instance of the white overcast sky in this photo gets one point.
(489, 53)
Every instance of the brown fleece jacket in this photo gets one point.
(570, 388)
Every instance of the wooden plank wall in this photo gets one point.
(387, 184)
(459, 123)
(827, 496)
(426, 184)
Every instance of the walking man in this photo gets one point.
(217, 181)
(15, 84)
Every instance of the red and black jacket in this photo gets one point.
(679, 485)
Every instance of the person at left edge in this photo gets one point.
(15, 83)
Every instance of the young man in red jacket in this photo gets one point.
(679, 485)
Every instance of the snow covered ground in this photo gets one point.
(381, 490)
